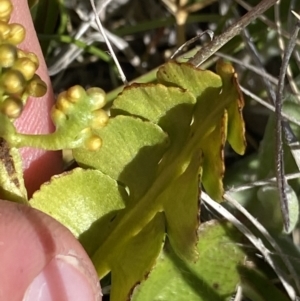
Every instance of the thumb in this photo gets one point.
(40, 260)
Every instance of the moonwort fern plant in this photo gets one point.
(133, 202)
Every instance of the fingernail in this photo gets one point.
(62, 279)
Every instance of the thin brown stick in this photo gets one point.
(281, 181)
(204, 53)
(281, 45)
(265, 20)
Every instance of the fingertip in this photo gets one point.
(37, 249)
(62, 279)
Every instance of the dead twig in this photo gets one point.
(204, 53)
(281, 181)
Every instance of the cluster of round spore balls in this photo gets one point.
(17, 68)
(79, 114)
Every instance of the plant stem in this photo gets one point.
(280, 174)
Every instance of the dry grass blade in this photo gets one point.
(253, 239)
(247, 66)
(267, 105)
(101, 29)
(239, 294)
(259, 183)
(267, 236)
(191, 41)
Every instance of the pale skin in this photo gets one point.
(34, 248)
